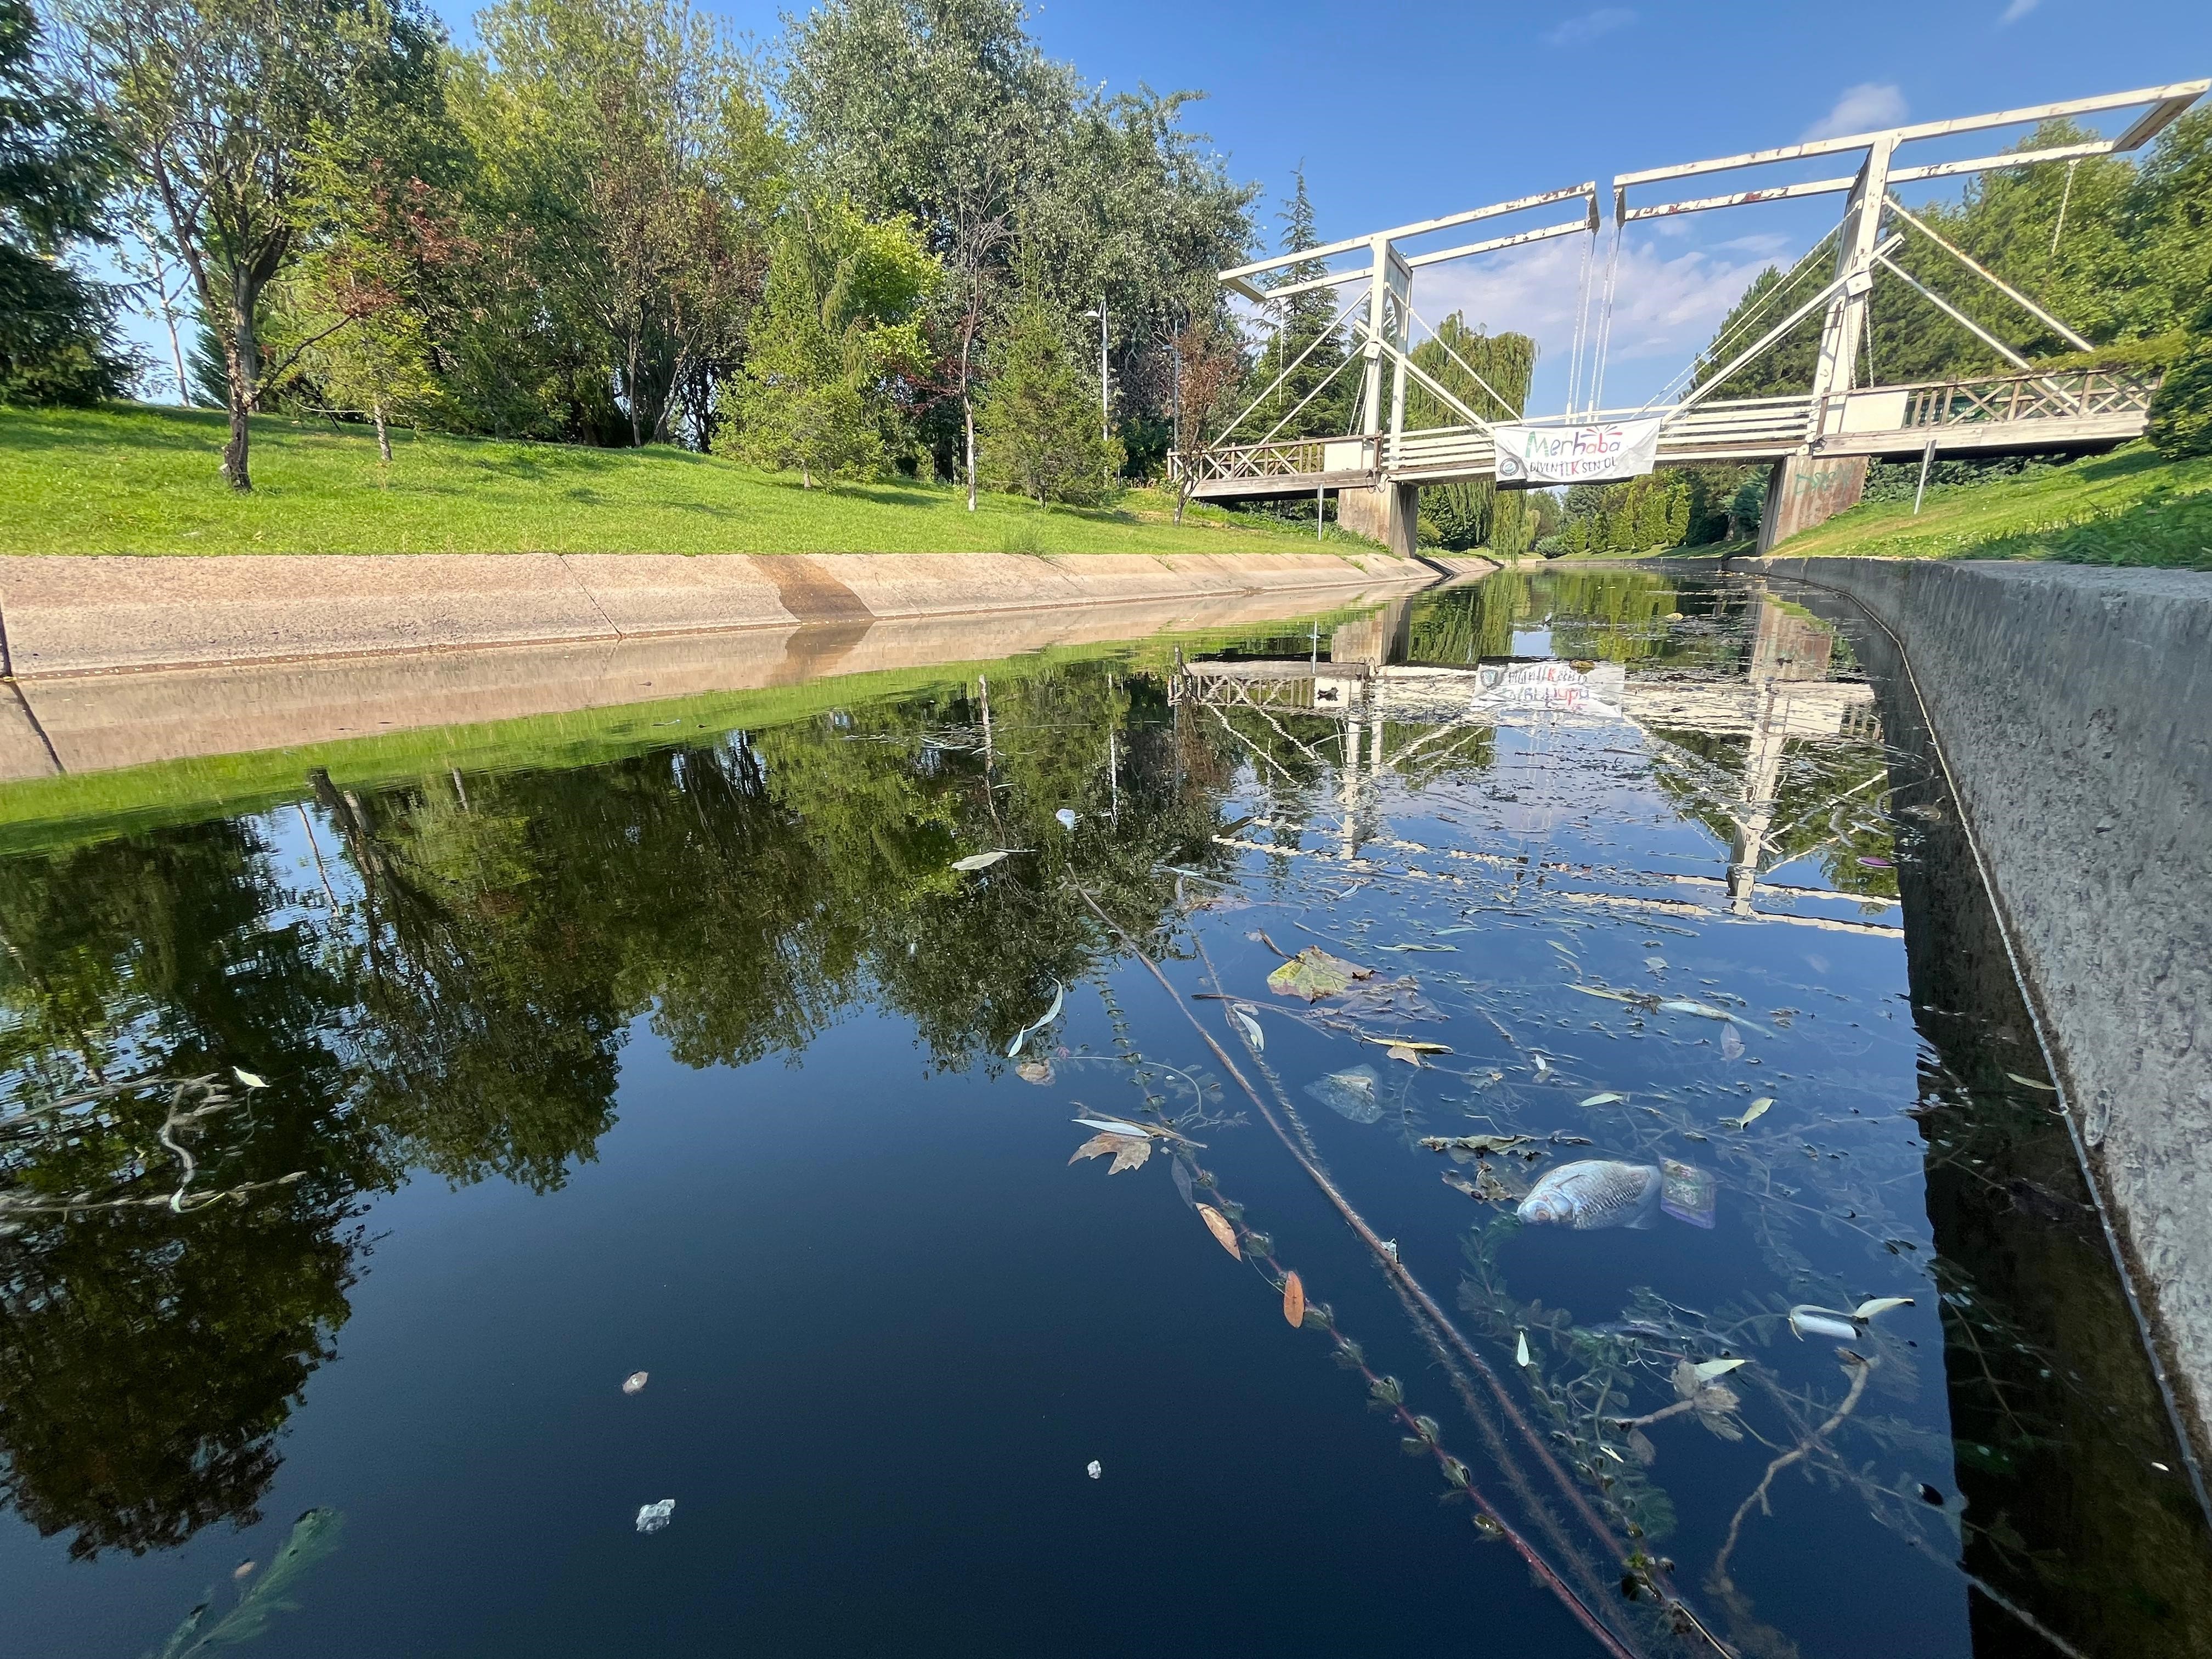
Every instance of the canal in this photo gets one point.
(1501, 1123)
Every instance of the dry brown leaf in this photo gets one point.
(1130, 1155)
(1400, 1051)
(1220, 1227)
(1294, 1299)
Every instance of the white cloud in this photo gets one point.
(1581, 31)
(1866, 107)
(1665, 305)
(2016, 10)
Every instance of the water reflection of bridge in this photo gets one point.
(1388, 711)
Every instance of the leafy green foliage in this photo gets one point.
(1490, 373)
(836, 331)
(2181, 413)
(1040, 424)
(58, 344)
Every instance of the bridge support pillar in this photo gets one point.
(1389, 514)
(1804, 491)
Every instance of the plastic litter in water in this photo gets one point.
(1093, 1468)
(652, 1517)
(1350, 1094)
(1685, 1192)
(634, 1383)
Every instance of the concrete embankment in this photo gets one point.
(123, 661)
(2073, 706)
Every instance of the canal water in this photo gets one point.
(830, 1180)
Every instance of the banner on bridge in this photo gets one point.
(1600, 453)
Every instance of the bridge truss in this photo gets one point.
(1837, 421)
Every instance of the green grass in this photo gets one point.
(2133, 507)
(131, 479)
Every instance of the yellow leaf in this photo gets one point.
(1400, 1051)
(1222, 1231)
(1294, 1299)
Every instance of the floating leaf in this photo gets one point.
(1731, 1042)
(1704, 1010)
(1034, 1071)
(1400, 1051)
(1542, 1064)
(1880, 1304)
(1294, 1299)
(1130, 1155)
(250, 1079)
(1605, 1099)
(1182, 1181)
(634, 1382)
(1448, 949)
(1114, 1125)
(1406, 1042)
(1129, 1151)
(1240, 1016)
(1710, 1369)
(1520, 1350)
(1805, 1320)
(1602, 991)
(1314, 974)
(2029, 1082)
(1223, 1232)
(1058, 1000)
(985, 861)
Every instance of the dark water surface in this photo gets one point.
(696, 1063)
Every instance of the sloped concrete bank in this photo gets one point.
(64, 616)
(122, 662)
(2073, 707)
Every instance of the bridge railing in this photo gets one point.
(2058, 394)
(1285, 457)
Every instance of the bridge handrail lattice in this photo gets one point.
(2057, 394)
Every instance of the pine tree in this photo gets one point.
(1304, 319)
(1038, 429)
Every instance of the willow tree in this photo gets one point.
(1490, 374)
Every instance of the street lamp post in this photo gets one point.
(1105, 418)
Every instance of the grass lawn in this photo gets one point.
(2131, 506)
(133, 479)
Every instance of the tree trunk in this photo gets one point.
(968, 409)
(242, 367)
(1182, 497)
(176, 352)
(383, 438)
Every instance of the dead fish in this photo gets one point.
(1350, 1094)
(1597, 1192)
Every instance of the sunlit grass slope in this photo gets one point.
(2132, 507)
(140, 480)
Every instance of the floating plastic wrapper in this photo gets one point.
(1685, 1192)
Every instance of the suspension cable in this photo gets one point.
(1605, 319)
(1717, 351)
(1581, 321)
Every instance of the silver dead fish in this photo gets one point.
(1596, 1192)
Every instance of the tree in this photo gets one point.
(218, 105)
(836, 336)
(2181, 411)
(1308, 350)
(937, 110)
(630, 166)
(1490, 374)
(1039, 426)
(57, 340)
(1209, 378)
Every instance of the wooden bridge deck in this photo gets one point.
(2077, 409)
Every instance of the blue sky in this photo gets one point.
(1402, 110)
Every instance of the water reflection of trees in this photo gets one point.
(451, 993)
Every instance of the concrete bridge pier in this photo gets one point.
(1805, 489)
(1389, 514)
